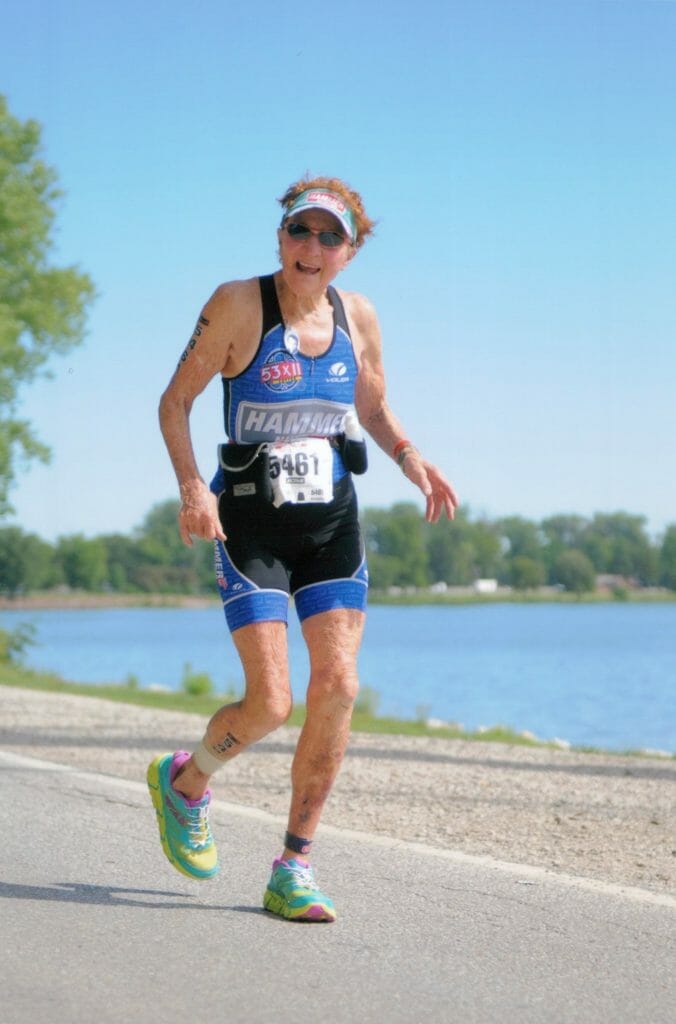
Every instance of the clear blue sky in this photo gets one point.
(520, 158)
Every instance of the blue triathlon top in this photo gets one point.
(283, 394)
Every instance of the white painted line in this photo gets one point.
(525, 873)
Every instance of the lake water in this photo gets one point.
(600, 675)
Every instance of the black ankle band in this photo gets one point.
(297, 843)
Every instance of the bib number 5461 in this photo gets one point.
(297, 464)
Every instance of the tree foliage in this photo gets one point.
(574, 572)
(84, 562)
(526, 573)
(462, 551)
(42, 306)
(26, 562)
(667, 559)
(403, 550)
(617, 544)
(395, 540)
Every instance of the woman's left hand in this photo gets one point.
(439, 493)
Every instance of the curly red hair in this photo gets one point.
(363, 222)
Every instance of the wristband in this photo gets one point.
(398, 447)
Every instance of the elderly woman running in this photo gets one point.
(302, 372)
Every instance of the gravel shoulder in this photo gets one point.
(602, 816)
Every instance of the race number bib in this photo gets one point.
(301, 471)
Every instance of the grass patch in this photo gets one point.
(363, 721)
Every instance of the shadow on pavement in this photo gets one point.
(112, 896)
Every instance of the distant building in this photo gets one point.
(608, 581)
(486, 586)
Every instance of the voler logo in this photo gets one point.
(279, 373)
(338, 373)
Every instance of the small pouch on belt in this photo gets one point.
(246, 471)
(353, 453)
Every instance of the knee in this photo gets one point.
(334, 682)
(277, 710)
(269, 707)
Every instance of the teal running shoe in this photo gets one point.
(293, 893)
(184, 824)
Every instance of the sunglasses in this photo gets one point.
(327, 239)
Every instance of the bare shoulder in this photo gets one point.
(360, 310)
(234, 298)
(363, 321)
(233, 316)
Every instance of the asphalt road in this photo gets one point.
(96, 926)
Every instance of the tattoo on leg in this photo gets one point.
(226, 744)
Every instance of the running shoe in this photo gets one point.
(184, 824)
(293, 893)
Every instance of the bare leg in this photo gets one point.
(333, 640)
(263, 651)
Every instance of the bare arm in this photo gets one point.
(378, 419)
(209, 351)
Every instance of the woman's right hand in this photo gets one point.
(198, 517)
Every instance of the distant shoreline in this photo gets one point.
(85, 600)
(79, 600)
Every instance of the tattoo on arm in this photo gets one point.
(376, 418)
(202, 322)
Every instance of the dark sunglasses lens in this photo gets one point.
(298, 231)
(330, 239)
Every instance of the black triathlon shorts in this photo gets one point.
(311, 551)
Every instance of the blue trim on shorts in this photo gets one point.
(328, 595)
(243, 600)
(260, 606)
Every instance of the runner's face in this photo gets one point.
(307, 265)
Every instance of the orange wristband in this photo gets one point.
(399, 446)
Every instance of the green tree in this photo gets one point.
(668, 558)
(462, 551)
(488, 549)
(574, 571)
(561, 533)
(384, 571)
(524, 548)
(397, 538)
(83, 561)
(164, 563)
(42, 307)
(450, 550)
(526, 573)
(27, 563)
(617, 543)
(523, 538)
(121, 560)
(12, 561)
